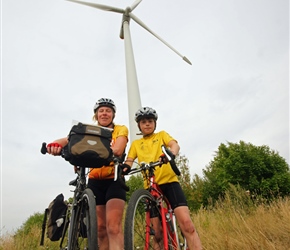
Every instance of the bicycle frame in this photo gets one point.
(75, 211)
(168, 220)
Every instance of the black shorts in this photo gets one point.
(173, 192)
(105, 190)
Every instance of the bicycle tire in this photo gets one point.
(83, 224)
(135, 220)
(138, 224)
(139, 206)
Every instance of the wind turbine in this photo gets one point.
(134, 100)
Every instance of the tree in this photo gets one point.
(134, 182)
(34, 220)
(255, 168)
(191, 189)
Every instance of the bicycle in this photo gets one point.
(80, 228)
(144, 206)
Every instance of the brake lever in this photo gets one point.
(116, 161)
(166, 153)
(170, 158)
(118, 175)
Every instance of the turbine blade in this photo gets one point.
(185, 59)
(135, 4)
(99, 6)
(137, 20)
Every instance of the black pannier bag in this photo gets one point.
(55, 216)
(89, 146)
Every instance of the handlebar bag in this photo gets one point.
(89, 146)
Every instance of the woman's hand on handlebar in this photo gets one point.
(54, 148)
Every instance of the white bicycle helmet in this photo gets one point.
(105, 102)
(145, 112)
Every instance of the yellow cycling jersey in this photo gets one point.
(148, 149)
(107, 172)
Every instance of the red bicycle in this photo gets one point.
(150, 222)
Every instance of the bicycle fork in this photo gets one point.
(167, 228)
(178, 244)
(164, 213)
(172, 231)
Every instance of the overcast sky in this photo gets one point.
(59, 57)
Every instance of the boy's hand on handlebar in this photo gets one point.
(125, 169)
(54, 148)
(164, 159)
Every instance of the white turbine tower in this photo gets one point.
(134, 100)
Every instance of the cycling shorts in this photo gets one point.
(105, 190)
(174, 193)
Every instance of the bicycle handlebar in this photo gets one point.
(43, 149)
(147, 166)
(118, 171)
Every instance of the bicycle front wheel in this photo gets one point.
(83, 224)
(139, 233)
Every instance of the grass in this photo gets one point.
(29, 241)
(235, 223)
(232, 226)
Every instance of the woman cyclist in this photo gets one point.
(110, 196)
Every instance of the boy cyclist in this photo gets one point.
(148, 149)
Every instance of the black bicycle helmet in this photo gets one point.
(145, 112)
(105, 102)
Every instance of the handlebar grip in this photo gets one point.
(43, 149)
(171, 160)
(174, 167)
